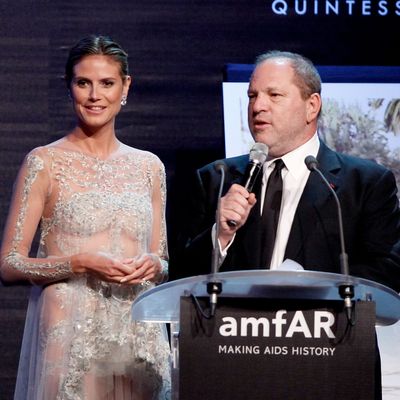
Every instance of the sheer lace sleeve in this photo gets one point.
(159, 234)
(28, 205)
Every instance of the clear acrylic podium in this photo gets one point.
(162, 303)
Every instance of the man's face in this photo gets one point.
(278, 115)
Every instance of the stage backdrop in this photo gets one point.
(360, 116)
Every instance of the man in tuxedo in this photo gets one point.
(284, 105)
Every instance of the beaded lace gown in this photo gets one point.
(79, 340)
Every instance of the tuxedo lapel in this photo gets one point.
(315, 205)
(236, 168)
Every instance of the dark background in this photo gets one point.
(177, 50)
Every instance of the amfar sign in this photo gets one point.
(274, 349)
(297, 324)
(336, 7)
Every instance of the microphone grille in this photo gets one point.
(259, 153)
(311, 162)
(220, 165)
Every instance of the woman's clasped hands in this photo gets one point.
(134, 270)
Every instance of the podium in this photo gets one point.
(297, 343)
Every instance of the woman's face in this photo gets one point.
(96, 90)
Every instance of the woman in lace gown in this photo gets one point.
(100, 205)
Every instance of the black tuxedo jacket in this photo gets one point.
(371, 218)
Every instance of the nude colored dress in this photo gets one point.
(79, 340)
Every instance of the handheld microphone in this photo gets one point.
(257, 157)
(214, 287)
(346, 290)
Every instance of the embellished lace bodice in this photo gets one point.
(102, 204)
(90, 205)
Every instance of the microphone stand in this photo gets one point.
(214, 286)
(346, 289)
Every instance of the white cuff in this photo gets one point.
(222, 252)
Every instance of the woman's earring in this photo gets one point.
(123, 100)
